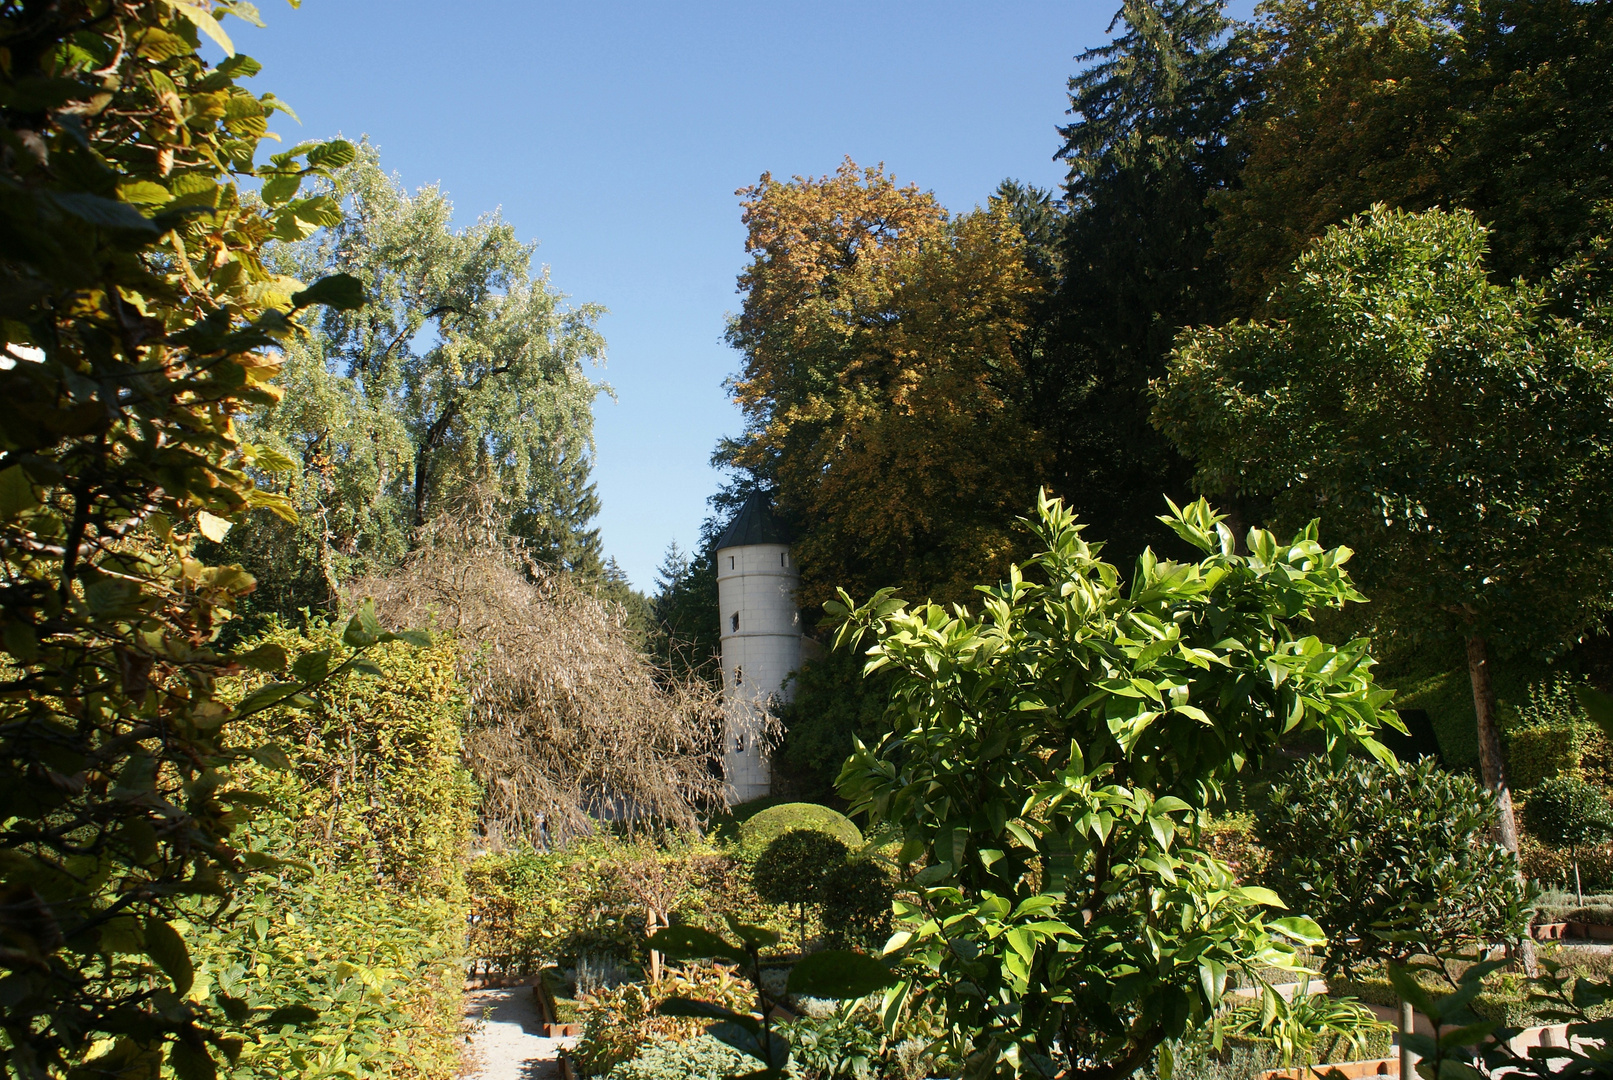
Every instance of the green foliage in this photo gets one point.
(832, 706)
(855, 901)
(699, 1058)
(461, 369)
(622, 1022)
(791, 868)
(1464, 1037)
(686, 629)
(137, 323)
(760, 830)
(353, 969)
(590, 898)
(1393, 364)
(1146, 146)
(1375, 852)
(835, 974)
(1047, 760)
(1567, 812)
(1416, 104)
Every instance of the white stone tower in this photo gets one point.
(761, 638)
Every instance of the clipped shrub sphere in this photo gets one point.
(793, 866)
(767, 826)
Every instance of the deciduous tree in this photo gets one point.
(1452, 430)
(880, 380)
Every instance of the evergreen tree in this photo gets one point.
(1147, 145)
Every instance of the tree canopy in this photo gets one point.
(461, 369)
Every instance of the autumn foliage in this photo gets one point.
(879, 378)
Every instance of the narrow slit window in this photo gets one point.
(783, 558)
(739, 676)
(733, 621)
(730, 562)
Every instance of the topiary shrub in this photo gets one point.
(765, 827)
(1566, 812)
(792, 870)
(1390, 859)
(855, 902)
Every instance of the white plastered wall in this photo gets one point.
(757, 583)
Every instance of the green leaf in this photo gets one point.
(191, 1062)
(311, 667)
(280, 189)
(17, 493)
(344, 292)
(1300, 929)
(271, 757)
(107, 213)
(1259, 894)
(333, 154)
(839, 973)
(1409, 989)
(693, 943)
(266, 657)
(167, 950)
(205, 22)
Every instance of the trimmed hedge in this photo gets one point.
(762, 829)
(353, 965)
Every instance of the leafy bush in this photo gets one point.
(1553, 868)
(792, 868)
(1048, 759)
(855, 904)
(762, 829)
(699, 1058)
(618, 1023)
(1377, 852)
(589, 898)
(1567, 812)
(355, 968)
(138, 323)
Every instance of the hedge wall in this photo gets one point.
(353, 966)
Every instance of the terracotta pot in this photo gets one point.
(1550, 931)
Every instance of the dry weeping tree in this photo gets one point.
(569, 723)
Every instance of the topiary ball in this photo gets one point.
(762, 829)
(793, 866)
(856, 898)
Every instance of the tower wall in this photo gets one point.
(755, 583)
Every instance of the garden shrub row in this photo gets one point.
(348, 961)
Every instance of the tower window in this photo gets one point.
(733, 621)
(730, 562)
(784, 558)
(739, 676)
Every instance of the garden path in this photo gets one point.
(507, 1041)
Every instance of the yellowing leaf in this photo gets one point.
(212, 526)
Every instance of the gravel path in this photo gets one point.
(506, 1041)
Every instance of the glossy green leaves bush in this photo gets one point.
(1390, 858)
(1047, 764)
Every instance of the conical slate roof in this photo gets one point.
(754, 524)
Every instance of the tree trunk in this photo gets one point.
(1494, 766)
(1408, 1025)
(1491, 762)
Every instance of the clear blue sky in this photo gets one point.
(615, 134)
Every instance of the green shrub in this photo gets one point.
(620, 1022)
(1567, 812)
(365, 952)
(792, 870)
(763, 828)
(1539, 753)
(1553, 868)
(700, 1058)
(1371, 847)
(855, 905)
(534, 908)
